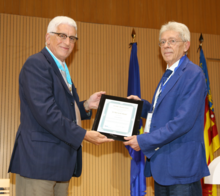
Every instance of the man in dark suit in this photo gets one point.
(47, 150)
(173, 142)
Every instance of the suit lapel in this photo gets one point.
(55, 68)
(172, 81)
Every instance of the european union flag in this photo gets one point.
(137, 178)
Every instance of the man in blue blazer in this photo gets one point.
(173, 140)
(47, 150)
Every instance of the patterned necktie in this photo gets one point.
(64, 77)
(78, 117)
(166, 75)
(77, 112)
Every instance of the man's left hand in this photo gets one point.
(93, 101)
(132, 142)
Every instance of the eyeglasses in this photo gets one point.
(64, 36)
(170, 42)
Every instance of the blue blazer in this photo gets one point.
(48, 140)
(175, 145)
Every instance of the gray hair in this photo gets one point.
(178, 27)
(55, 22)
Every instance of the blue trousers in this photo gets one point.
(192, 189)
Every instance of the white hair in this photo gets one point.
(55, 22)
(178, 27)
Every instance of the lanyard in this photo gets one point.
(66, 70)
(161, 88)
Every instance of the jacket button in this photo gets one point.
(72, 103)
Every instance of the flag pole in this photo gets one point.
(137, 178)
(200, 41)
(211, 138)
(133, 35)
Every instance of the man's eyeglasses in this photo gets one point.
(64, 36)
(170, 42)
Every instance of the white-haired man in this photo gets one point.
(47, 150)
(173, 142)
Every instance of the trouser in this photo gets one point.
(192, 189)
(34, 187)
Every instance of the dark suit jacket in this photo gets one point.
(175, 145)
(48, 141)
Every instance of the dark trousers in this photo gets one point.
(192, 189)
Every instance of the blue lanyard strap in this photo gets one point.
(68, 78)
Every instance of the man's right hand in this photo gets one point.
(96, 137)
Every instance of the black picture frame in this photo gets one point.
(136, 123)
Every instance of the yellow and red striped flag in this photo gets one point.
(211, 137)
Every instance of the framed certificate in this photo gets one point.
(118, 117)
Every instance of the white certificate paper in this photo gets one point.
(118, 117)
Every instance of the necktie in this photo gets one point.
(77, 112)
(65, 79)
(78, 117)
(166, 75)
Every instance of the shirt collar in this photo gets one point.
(172, 68)
(62, 63)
